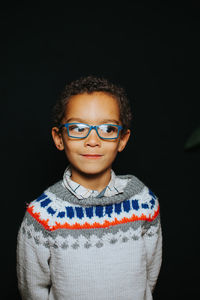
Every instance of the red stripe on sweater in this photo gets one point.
(86, 225)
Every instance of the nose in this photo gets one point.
(93, 139)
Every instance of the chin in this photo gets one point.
(91, 167)
(92, 170)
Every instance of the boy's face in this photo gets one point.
(91, 155)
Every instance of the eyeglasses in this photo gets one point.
(81, 130)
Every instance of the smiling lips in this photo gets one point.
(92, 155)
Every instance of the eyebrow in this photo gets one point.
(103, 121)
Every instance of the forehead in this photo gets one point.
(96, 106)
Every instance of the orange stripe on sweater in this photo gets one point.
(86, 225)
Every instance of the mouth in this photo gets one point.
(92, 156)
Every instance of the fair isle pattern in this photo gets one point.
(64, 239)
(54, 215)
(58, 219)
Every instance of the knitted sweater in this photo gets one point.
(95, 248)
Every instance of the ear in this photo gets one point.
(124, 140)
(57, 137)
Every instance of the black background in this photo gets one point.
(151, 50)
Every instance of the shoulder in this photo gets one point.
(47, 206)
(135, 186)
(142, 199)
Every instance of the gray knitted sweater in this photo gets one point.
(95, 248)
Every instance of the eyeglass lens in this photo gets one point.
(104, 130)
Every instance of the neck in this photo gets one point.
(95, 182)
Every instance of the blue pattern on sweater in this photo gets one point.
(98, 210)
(135, 204)
(51, 211)
(118, 208)
(61, 214)
(109, 210)
(41, 197)
(126, 205)
(79, 212)
(70, 212)
(89, 212)
(145, 205)
(45, 202)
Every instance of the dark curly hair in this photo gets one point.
(89, 85)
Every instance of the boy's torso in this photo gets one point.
(96, 245)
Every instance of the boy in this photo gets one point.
(92, 235)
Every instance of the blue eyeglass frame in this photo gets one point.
(90, 128)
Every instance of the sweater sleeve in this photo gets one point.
(32, 262)
(153, 245)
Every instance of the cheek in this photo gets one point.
(72, 147)
(111, 149)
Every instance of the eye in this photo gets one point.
(77, 128)
(109, 128)
(112, 128)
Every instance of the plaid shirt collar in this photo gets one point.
(115, 186)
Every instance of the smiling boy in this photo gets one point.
(91, 158)
(92, 235)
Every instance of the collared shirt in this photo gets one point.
(115, 186)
